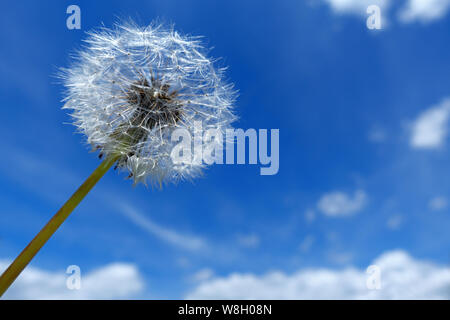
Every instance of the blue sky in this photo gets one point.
(364, 157)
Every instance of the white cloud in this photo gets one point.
(338, 203)
(430, 129)
(438, 203)
(113, 281)
(175, 238)
(402, 277)
(356, 6)
(424, 10)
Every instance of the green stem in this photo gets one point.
(13, 271)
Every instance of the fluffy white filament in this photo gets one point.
(131, 86)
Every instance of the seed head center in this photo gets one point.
(155, 104)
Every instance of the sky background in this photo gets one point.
(364, 174)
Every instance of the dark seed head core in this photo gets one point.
(155, 104)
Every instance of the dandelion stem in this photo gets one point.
(13, 271)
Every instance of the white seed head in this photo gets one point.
(130, 87)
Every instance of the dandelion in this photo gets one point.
(128, 89)
(131, 87)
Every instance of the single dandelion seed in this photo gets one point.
(128, 89)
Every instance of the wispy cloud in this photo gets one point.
(307, 243)
(40, 175)
(402, 277)
(394, 222)
(438, 203)
(36, 176)
(337, 203)
(429, 130)
(248, 240)
(183, 241)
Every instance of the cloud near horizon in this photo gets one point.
(402, 277)
(113, 281)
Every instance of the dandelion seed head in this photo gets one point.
(130, 87)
